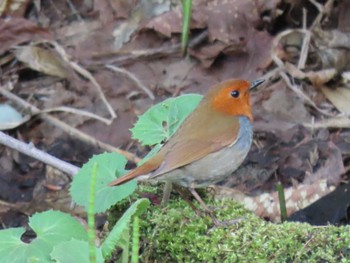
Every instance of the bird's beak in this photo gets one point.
(256, 83)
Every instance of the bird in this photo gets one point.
(210, 144)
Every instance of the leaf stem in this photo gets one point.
(282, 201)
(186, 20)
(135, 240)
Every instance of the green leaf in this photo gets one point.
(51, 228)
(160, 122)
(74, 251)
(110, 165)
(115, 237)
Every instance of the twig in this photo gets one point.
(139, 54)
(306, 43)
(283, 69)
(335, 122)
(77, 112)
(133, 78)
(75, 11)
(64, 126)
(301, 94)
(30, 150)
(86, 74)
(322, 9)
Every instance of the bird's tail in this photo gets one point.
(143, 169)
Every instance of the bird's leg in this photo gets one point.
(216, 221)
(206, 208)
(199, 199)
(184, 196)
(166, 192)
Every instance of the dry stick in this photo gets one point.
(283, 71)
(82, 71)
(301, 94)
(133, 78)
(76, 112)
(336, 122)
(306, 43)
(65, 127)
(30, 150)
(139, 54)
(322, 9)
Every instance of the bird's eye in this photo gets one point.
(235, 93)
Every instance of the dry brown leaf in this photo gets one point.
(284, 105)
(145, 10)
(332, 48)
(318, 78)
(340, 98)
(230, 34)
(331, 168)
(42, 60)
(14, 31)
(13, 8)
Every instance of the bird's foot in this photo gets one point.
(226, 223)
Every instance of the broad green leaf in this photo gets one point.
(110, 165)
(74, 251)
(51, 228)
(160, 122)
(116, 235)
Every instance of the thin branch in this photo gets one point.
(301, 94)
(30, 150)
(65, 127)
(82, 71)
(77, 112)
(123, 57)
(133, 78)
(306, 44)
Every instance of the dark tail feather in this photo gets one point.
(144, 169)
(124, 179)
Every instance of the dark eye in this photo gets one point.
(235, 93)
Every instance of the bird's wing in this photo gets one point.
(187, 151)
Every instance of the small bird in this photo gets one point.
(209, 145)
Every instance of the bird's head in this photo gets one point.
(232, 97)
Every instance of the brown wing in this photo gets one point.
(187, 152)
(206, 137)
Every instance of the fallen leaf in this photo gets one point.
(144, 10)
(340, 98)
(14, 31)
(13, 8)
(42, 60)
(317, 78)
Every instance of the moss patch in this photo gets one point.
(176, 234)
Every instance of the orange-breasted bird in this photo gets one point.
(209, 145)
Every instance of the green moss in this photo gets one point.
(176, 234)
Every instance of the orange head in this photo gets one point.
(232, 97)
